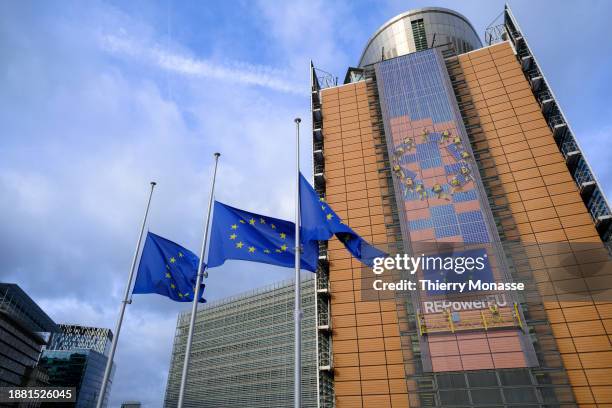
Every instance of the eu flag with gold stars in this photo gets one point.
(320, 222)
(168, 269)
(238, 234)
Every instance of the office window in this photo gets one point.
(418, 32)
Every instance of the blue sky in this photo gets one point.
(98, 98)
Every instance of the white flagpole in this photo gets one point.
(124, 303)
(297, 386)
(196, 294)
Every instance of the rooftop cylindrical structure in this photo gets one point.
(418, 29)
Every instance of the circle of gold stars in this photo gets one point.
(250, 248)
(169, 276)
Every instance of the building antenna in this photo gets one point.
(495, 19)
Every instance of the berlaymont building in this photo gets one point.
(437, 140)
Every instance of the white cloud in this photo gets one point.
(74, 179)
(65, 309)
(30, 192)
(310, 29)
(233, 71)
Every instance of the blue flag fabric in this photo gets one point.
(320, 222)
(168, 269)
(457, 273)
(238, 234)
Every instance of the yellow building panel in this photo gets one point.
(547, 197)
(376, 401)
(376, 372)
(349, 402)
(399, 401)
(343, 388)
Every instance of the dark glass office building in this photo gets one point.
(131, 404)
(24, 328)
(76, 357)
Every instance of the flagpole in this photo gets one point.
(196, 294)
(297, 386)
(124, 303)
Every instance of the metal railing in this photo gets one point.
(578, 166)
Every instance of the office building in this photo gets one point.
(24, 329)
(436, 142)
(242, 351)
(131, 404)
(76, 357)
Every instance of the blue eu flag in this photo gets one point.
(168, 269)
(320, 222)
(238, 234)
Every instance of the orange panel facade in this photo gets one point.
(368, 361)
(539, 208)
(460, 149)
(545, 206)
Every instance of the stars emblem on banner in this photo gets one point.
(251, 248)
(172, 284)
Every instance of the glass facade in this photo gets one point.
(417, 30)
(76, 357)
(72, 336)
(131, 404)
(83, 369)
(19, 350)
(242, 352)
(442, 201)
(23, 333)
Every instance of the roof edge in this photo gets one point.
(411, 12)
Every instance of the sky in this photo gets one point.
(99, 98)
